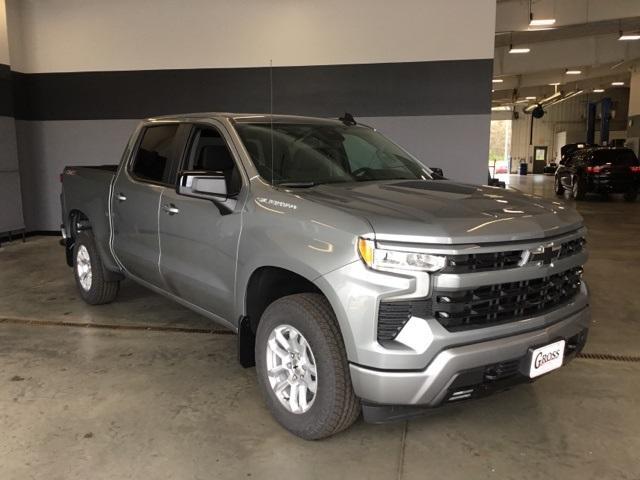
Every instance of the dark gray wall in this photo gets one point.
(11, 217)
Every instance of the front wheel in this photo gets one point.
(302, 367)
(89, 272)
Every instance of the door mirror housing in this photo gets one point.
(202, 184)
(438, 173)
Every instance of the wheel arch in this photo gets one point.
(265, 285)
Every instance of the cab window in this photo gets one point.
(209, 152)
(152, 162)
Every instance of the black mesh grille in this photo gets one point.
(393, 315)
(482, 262)
(477, 262)
(504, 302)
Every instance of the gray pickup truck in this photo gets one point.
(356, 279)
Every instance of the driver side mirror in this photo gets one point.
(438, 173)
(202, 184)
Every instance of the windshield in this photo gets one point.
(311, 154)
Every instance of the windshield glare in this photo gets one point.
(317, 153)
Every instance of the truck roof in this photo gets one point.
(250, 118)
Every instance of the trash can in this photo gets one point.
(523, 169)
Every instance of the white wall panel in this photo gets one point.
(96, 35)
(4, 44)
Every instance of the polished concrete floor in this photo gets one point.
(171, 402)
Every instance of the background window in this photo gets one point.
(154, 154)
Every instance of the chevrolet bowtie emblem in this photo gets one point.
(548, 255)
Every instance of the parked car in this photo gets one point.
(550, 168)
(599, 170)
(355, 280)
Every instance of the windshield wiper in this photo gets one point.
(297, 184)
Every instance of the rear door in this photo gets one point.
(199, 236)
(136, 200)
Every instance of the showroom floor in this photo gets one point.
(155, 393)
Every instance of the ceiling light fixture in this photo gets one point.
(530, 98)
(513, 49)
(598, 90)
(503, 108)
(554, 84)
(617, 84)
(629, 36)
(497, 80)
(541, 22)
(573, 72)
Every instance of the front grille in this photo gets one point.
(483, 262)
(566, 249)
(505, 302)
(392, 316)
(478, 262)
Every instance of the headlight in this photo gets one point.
(381, 259)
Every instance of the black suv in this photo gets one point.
(599, 170)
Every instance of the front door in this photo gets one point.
(136, 201)
(539, 159)
(199, 236)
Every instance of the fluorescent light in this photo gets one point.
(629, 36)
(503, 108)
(598, 90)
(573, 72)
(497, 80)
(555, 84)
(513, 49)
(541, 22)
(617, 84)
(530, 98)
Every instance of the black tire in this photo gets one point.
(631, 195)
(100, 291)
(578, 188)
(557, 186)
(335, 407)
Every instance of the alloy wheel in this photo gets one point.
(83, 268)
(291, 368)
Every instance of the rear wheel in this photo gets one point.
(90, 274)
(302, 367)
(631, 195)
(579, 188)
(557, 186)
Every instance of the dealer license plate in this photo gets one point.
(547, 358)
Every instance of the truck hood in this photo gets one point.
(444, 212)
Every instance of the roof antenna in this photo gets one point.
(271, 116)
(347, 119)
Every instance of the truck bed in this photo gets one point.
(85, 189)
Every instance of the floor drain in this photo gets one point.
(609, 356)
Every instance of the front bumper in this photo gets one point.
(465, 367)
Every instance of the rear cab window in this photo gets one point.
(153, 159)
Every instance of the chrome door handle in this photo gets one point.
(170, 209)
(121, 197)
